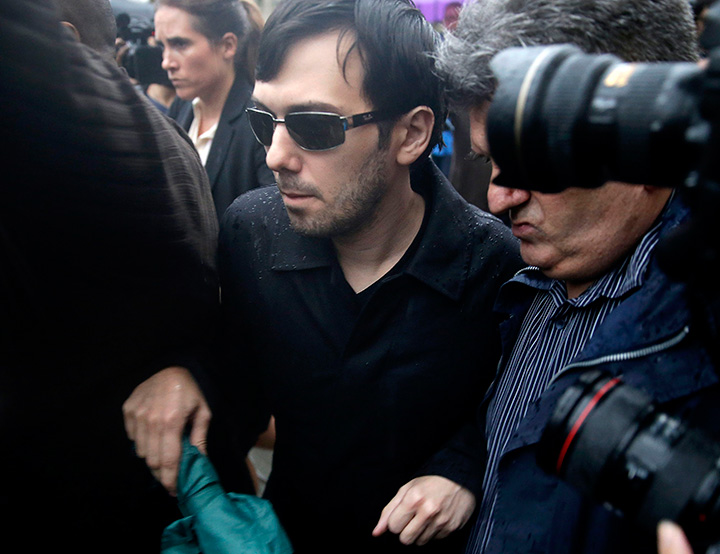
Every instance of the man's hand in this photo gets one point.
(671, 539)
(156, 416)
(425, 508)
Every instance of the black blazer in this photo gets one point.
(236, 162)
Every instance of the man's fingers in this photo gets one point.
(399, 519)
(128, 410)
(141, 437)
(199, 429)
(436, 527)
(170, 450)
(417, 526)
(156, 415)
(428, 517)
(382, 524)
(167, 475)
(428, 507)
(671, 539)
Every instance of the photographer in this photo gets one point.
(593, 291)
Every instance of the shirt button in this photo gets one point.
(560, 323)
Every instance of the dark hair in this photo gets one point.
(634, 30)
(395, 43)
(94, 21)
(214, 18)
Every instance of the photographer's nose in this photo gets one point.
(502, 199)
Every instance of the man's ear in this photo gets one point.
(72, 28)
(415, 128)
(229, 44)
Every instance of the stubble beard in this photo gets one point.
(354, 208)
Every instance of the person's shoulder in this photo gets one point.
(469, 218)
(486, 229)
(493, 248)
(262, 205)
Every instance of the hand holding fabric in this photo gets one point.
(425, 508)
(220, 522)
(156, 416)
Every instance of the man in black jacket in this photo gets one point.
(357, 293)
(107, 241)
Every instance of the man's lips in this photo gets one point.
(294, 194)
(295, 198)
(522, 229)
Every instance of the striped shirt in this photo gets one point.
(555, 330)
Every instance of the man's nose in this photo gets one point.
(283, 154)
(502, 199)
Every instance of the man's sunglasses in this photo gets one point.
(310, 130)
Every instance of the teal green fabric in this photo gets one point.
(217, 522)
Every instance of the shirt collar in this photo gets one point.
(442, 259)
(195, 125)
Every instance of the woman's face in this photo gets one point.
(196, 67)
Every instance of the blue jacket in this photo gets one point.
(650, 340)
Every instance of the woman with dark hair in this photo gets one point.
(210, 47)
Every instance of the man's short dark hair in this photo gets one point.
(634, 30)
(94, 21)
(395, 42)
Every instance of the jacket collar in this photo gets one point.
(442, 259)
(233, 109)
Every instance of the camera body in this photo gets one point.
(142, 61)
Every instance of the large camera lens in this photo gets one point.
(562, 118)
(610, 442)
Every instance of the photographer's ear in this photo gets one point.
(72, 28)
(415, 130)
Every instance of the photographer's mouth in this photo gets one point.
(522, 230)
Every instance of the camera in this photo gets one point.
(142, 61)
(610, 442)
(580, 120)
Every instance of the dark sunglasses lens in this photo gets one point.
(262, 126)
(315, 131)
